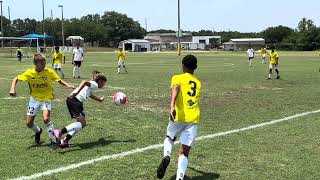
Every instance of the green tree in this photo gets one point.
(274, 35)
(119, 27)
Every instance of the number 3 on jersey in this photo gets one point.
(193, 88)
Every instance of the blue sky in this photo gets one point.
(239, 15)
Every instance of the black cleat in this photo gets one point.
(37, 137)
(163, 167)
(268, 78)
(278, 77)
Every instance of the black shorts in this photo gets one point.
(75, 107)
(77, 63)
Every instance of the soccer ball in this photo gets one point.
(119, 98)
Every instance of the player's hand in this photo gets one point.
(172, 114)
(101, 98)
(72, 62)
(12, 93)
(71, 86)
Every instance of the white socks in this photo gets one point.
(76, 71)
(50, 130)
(167, 147)
(76, 126)
(182, 166)
(35, 128)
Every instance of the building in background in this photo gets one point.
(244, 43)
(135, 45)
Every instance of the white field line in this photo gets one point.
(157, 146)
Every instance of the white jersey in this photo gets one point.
(250, 52)
(86, 91)
(78, 54)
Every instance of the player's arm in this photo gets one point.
(174, 93)
(81, 86)
(62, 82)
(13, 87)
(99, 99)
(53, 59)
(64, 59)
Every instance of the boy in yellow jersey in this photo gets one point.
(19, 54)
(274, 59)
(184, 116)
(121, 59)
(264, 55)
(57, 60)
(39, 79)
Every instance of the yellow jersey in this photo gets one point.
(263, 51)
(121, 55)
(187, 101)
(57, 57)
(19, 52)
(40, 83)
(274, 57)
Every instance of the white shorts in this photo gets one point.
(264, 55)
(57, 66)
(121, 63)
(187, 132)
(35, 106)
(273, 66)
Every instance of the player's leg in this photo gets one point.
(172, 130)
(74, 70)
(79, 70)
(270, 71)
(124, 67)
(75, 108)
(59, 69)
(119, 67)
(33, 109)
(250, 61)
(72, 130)
(277, 71)
(46, 111)
(187, 138)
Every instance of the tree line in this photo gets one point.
(103, 30)
(112, 27)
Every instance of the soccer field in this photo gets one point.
(234, 96)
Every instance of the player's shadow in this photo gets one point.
(203, 176)
(99, 143)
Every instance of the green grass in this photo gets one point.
(233, 96)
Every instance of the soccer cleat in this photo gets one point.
(57, 133)
(64, 144)
(37, 137)
(268, 78)
(278, 77)
(163, 167)
(118, 73)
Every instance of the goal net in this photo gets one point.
(9, 46)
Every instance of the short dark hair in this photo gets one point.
(57, 47)
(190, 62)
(272, 47)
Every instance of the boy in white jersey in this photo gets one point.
(250, 53)
(77, 59)
(75, 107)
